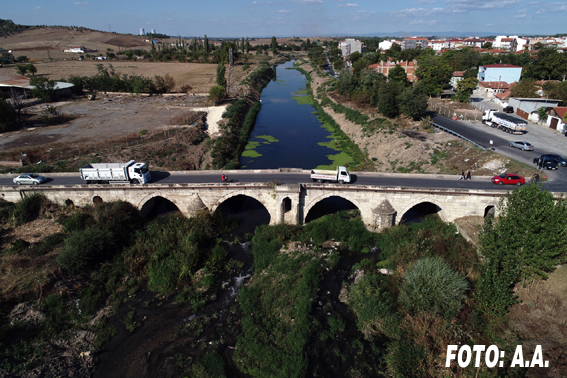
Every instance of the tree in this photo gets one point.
(7, 116)
(387, 100)
(398, 75)
(44, 89)
(217, 94)
(164, 84)
(487, 45)
(354, 56)
(22, 69)
(531, 232)
(542, 113)
(433, 75)
(274, 44)
(221, 71)
(31, 68)
(413, 102)
(525, 88)
(465, 88)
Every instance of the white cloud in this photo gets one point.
(37, 8)
(472, 5)
(521, 10)
(419, 2)
(423, 22)
(81, 3)
(283, 11)
(308, 1)
(350, 5)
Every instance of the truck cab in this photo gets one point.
(343, 175)
(140, 172)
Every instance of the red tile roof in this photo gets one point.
(561, 111)
(501, 66)
(458, 73)
(494, 84)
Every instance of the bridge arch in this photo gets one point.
(146, 200)
(316, 200)
(419, 201)
(249, 210)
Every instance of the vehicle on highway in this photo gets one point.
(29, 178)
(560, 160)
(340, 175)
(545, 162)
(116, 173)
(503, 121)
(509, 179)
(525, 146)
(508, 109)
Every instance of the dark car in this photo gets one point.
(545, 162)
(509, 178)
(560, 160)
(508, 109)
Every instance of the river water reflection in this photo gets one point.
(287, 134)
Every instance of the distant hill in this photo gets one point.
(7, 27)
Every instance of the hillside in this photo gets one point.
(36, 42)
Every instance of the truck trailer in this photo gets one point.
(504, 121)
(116, 173)
(341, 175)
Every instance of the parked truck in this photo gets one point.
(116, 173)
(504, 121)
(341, 175)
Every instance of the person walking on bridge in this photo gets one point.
(468, 175)
(462, 175)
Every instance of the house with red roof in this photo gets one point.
(555, 119)
(489, 89)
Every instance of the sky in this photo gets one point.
(301, 18)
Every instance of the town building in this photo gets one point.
(385, 67)
(349, 45)
(489, 89)
(527, 108)
(499, 72)
(414, 43)
(555, 119)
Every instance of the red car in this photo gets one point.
(509, 178)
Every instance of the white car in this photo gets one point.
(29, 178)
(522, 145)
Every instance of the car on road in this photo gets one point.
(509, 179)
(508, 109)
(29, 178)
(560, 160)
(545, 162)
(525, 146)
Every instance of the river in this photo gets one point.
(288, 133)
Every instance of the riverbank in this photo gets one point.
(401, 145)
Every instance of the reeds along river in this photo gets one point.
(288, 132)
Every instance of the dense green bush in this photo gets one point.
(83, 249)
(28, 208)
(374, 306)
(430, 285)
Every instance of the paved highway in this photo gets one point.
(377, 179)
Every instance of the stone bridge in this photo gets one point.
(380, 207)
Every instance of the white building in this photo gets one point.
(152, 31)
(142, 32)
(349, 45)
(437, 45)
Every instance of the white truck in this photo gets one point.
(341, 175)
(116, 173)
(504, 121)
